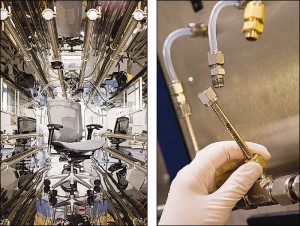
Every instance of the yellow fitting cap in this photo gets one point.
(254, 16)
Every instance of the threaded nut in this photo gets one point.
(208, 96)
(281, 190)
(219, 70)
(215, 58)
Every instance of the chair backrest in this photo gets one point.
(121, 126)
(68, 114)
(26, 125)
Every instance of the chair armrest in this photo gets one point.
(54, 126)
(90, 129)
(94, 126)
(51, 128)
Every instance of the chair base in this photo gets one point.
(72, 178)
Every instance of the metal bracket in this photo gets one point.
(139, 15)
(4, 14)
(93, 14)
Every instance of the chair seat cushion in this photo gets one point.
(79, 147)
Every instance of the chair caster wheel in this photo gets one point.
(89, 193)
(97, 182)
(47, 182)
(97, 189)
(53, 193)
(90, 200)
(46, 189)
(53, 201)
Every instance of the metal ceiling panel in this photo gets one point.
(68, 18)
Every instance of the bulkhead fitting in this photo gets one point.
(254, 16)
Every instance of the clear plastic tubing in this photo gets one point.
(167, 48)
(212, 22)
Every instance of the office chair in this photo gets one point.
(121, 127)
(25, 125)
(65, 135)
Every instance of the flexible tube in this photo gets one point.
(212, 22)
(167, 48)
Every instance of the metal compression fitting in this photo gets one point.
(268, 191)
(25, 49)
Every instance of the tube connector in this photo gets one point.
(183, 107)
(282, 190)
(254, 16)
(268, 191)
(217, 72)
(198, 29)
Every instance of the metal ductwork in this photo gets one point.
(26, 49)
(91, 15)
(49, 16)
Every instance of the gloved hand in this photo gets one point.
(193, 200)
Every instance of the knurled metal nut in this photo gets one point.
(215, 58)
(217, 71)
(208, 96)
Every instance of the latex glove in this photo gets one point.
(192, 198)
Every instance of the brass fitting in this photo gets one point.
(254, 16)
(208, 96)
(258, 159)
(198, 29)
(176, 87)
(217, 72)
(182, 107)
